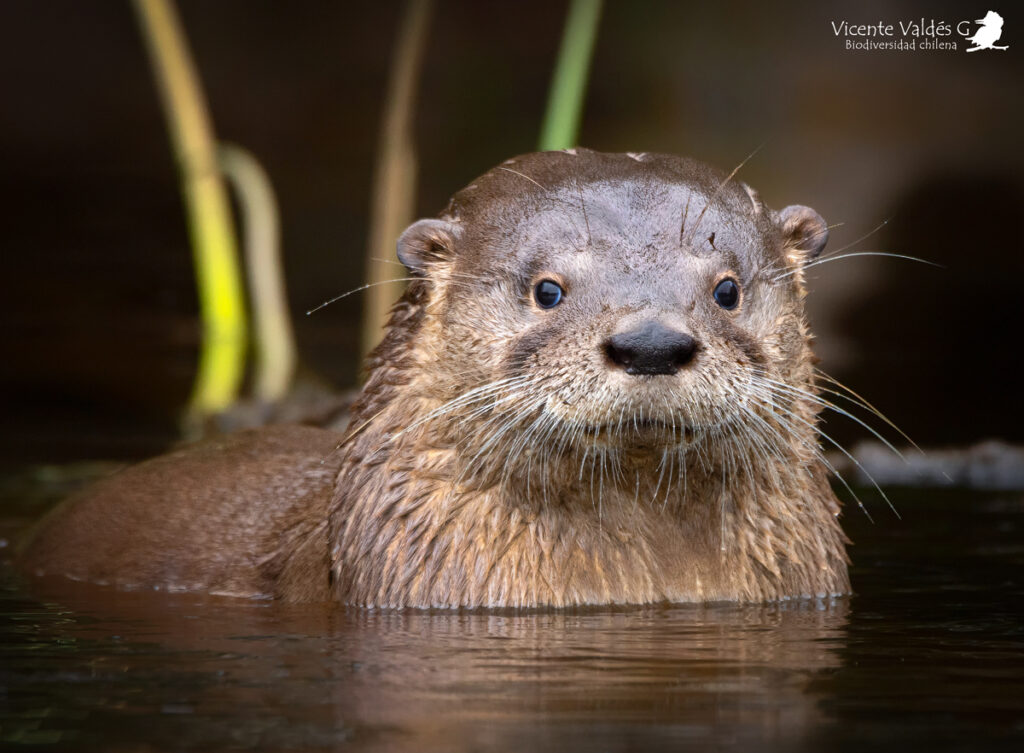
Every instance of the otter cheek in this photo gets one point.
(523, 355)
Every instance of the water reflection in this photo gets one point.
(928, 656)
(241, 674)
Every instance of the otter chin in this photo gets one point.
(597, 389)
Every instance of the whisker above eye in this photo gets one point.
(718, 191)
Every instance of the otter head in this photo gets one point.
(579, 301)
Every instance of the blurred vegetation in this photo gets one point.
(274, 340)
(394, 180)
(569, 84)
(101, 327)
(394, 191)
(222, 356)
(202, 166)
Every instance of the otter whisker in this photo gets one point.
(774, 441)
(864, 237)
(686, 213)
(636, 493)
(752, 442)
(721, 505)
(800, 267)
(492, 409)
(525, 442)
(860, 401)
(817, 453)
(495, 439)
(741, 451)
(387, 261)
(767, 450)
(369, 285)
(721, 187)
(818, 400)
(681, 452)
(825, 260)
(511, 416)
(518, 446)
(497, 407)
(586, 219)
(593, 464)
(767, 397)
(583, 462)
(850, 456)
(521, 175)
(551, 438)
(668, 483)
(483, 392)
(360, 289)
(561, 430)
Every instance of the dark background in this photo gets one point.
(98, 313)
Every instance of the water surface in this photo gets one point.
(929, 652)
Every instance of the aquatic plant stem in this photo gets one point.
(274, 338)
(222, 309)
(394, 181)
(569, 83)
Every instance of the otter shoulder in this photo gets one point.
(233, 514)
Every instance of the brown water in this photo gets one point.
(929, 653)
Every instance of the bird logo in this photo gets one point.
(988, 33)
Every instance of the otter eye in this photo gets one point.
(727, 294)
(548, 294)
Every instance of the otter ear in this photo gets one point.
(425, 243)
(804, 233)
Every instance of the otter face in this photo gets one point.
(635, 301)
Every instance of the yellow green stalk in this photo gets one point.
(274, 341)
(222, 308)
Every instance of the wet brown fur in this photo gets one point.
(565, 482)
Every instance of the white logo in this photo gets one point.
(922, 34)
(988, 34)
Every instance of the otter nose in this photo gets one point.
(651, 348)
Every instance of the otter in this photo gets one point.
(598, 388)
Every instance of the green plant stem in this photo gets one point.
(569, 84)
(222, 308)
(274, 338)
